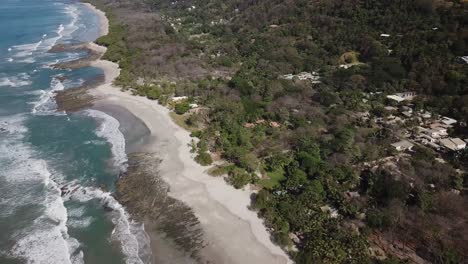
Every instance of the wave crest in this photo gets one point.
(109, 130)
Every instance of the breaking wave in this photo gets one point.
(109, 130)
(15, 81)
(29, 182)
(130, 234)
(46, 104)
(23, 51)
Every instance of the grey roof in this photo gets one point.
(403, 144)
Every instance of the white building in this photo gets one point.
(427, 139)
(400, 97)
(314, 77)
(390, 108)
(407, 95)
(396, 98)
(179, 98)
(448, 121)
(464, 59)
(459, 143)
(437, 132)
(403, 145)
(453, 144)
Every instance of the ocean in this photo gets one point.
(57, 170)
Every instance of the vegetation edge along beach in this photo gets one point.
(210, 195)
(328, 108)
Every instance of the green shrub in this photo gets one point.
(182, 108)
(196, 134)
(203, 159)
(239, 178)
(153, 93)
(218, 171)
(377, 219)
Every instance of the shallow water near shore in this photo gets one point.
(57, 168)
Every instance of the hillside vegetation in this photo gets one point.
(322, 194)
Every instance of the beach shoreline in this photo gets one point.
(232, 232)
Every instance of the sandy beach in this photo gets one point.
(232, 232)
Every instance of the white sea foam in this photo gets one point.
(95, 142)
(48, 65)
(27, 60)
(71, 27)
(46, 240)
(25, 50)
(109, 130)
(80, 223)
(46, 104)
(77, 215)
(13, 125)
(45, 44)
(130, 234)
(76, 212)
(50, 42)
(69, 83)
(15, 81)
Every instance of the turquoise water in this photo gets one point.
(55, 166)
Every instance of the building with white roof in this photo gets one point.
(453, 144)
(179, 98)
(400, 97)
(464, 59)
(448, 121)
(403, 145)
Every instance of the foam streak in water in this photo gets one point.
(41, 47)
(46, 239)
(130, 234)
(15, 81)
(109, 129)
(46, 104)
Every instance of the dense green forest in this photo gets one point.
(300, 141)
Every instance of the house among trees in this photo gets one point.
(390, 108)
(448, 121)
(453, 144)
(436, 132)
(312, 76)
(274, 124)
(463, 59)
(403, 145)
(400, 97)
(260, 121)
(179, 98)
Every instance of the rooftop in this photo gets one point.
(390, 108)
(396, 98)
(458, 141)
(448, 120)
(446, 142)
(453, 143)
(404, 144)
(464, 59)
